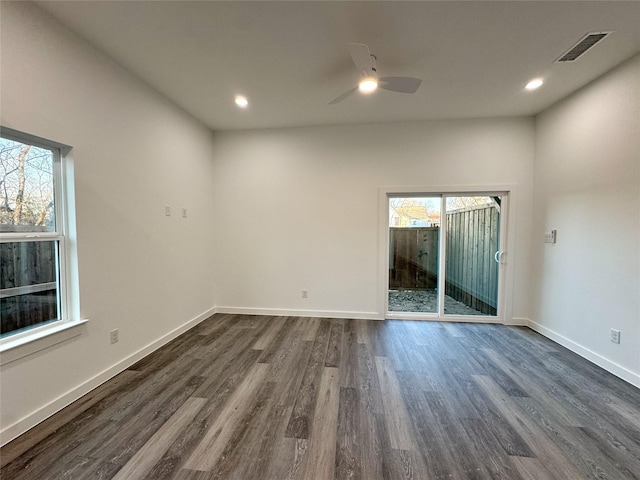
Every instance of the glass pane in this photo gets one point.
(414, 232)
(26, 192)
(28, 285)
(471, 271)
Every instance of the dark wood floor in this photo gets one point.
(249, 397)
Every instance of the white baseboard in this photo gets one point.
(301, 313)
(518, 322)
(283, 312)
(21, 426)
(611, 367)
(433, 317)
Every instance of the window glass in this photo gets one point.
(27, 201)
(29, 241)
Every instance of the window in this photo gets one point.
(31, 234)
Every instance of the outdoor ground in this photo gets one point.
(426, 301)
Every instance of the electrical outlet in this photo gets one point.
(113, 336)
(305, 293)
(615, 335)
(167, 211)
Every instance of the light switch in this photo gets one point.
(550, 237)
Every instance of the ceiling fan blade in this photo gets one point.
(361, 57)
(400, 84)
(346, 94)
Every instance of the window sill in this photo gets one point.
(12, 350)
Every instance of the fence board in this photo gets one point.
(471, 273)
(23, 264)
(413, 262)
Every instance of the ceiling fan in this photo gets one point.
(365, 62)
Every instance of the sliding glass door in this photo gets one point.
(444, 255)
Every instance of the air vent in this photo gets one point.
(585, 43)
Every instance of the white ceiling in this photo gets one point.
(290, 58)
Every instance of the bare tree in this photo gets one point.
(26, 185)
(459, 203)
(17, 211)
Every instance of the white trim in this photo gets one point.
(433, 317)
(30, 139)
(70, 281)
(442, 257)
(39, 338)
(611, 367)
(27, 289)
(283, 312)
(62, 226)
(518, 322)
(21, 426)
(383, 245)
(15, 237)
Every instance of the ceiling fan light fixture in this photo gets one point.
(368, 84)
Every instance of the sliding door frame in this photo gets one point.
(507, 235)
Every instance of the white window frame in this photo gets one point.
(12, 345)
(506, 279)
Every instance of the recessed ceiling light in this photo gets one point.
(534, 84)
(368, 84)
(241, 101)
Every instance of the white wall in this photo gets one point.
(298, 208)
(134, 153)
(587, 186)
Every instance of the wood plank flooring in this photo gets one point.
(255, 397)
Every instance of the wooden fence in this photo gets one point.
(473, 238)
(413, 258)
(471, 271)
(27, 264)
